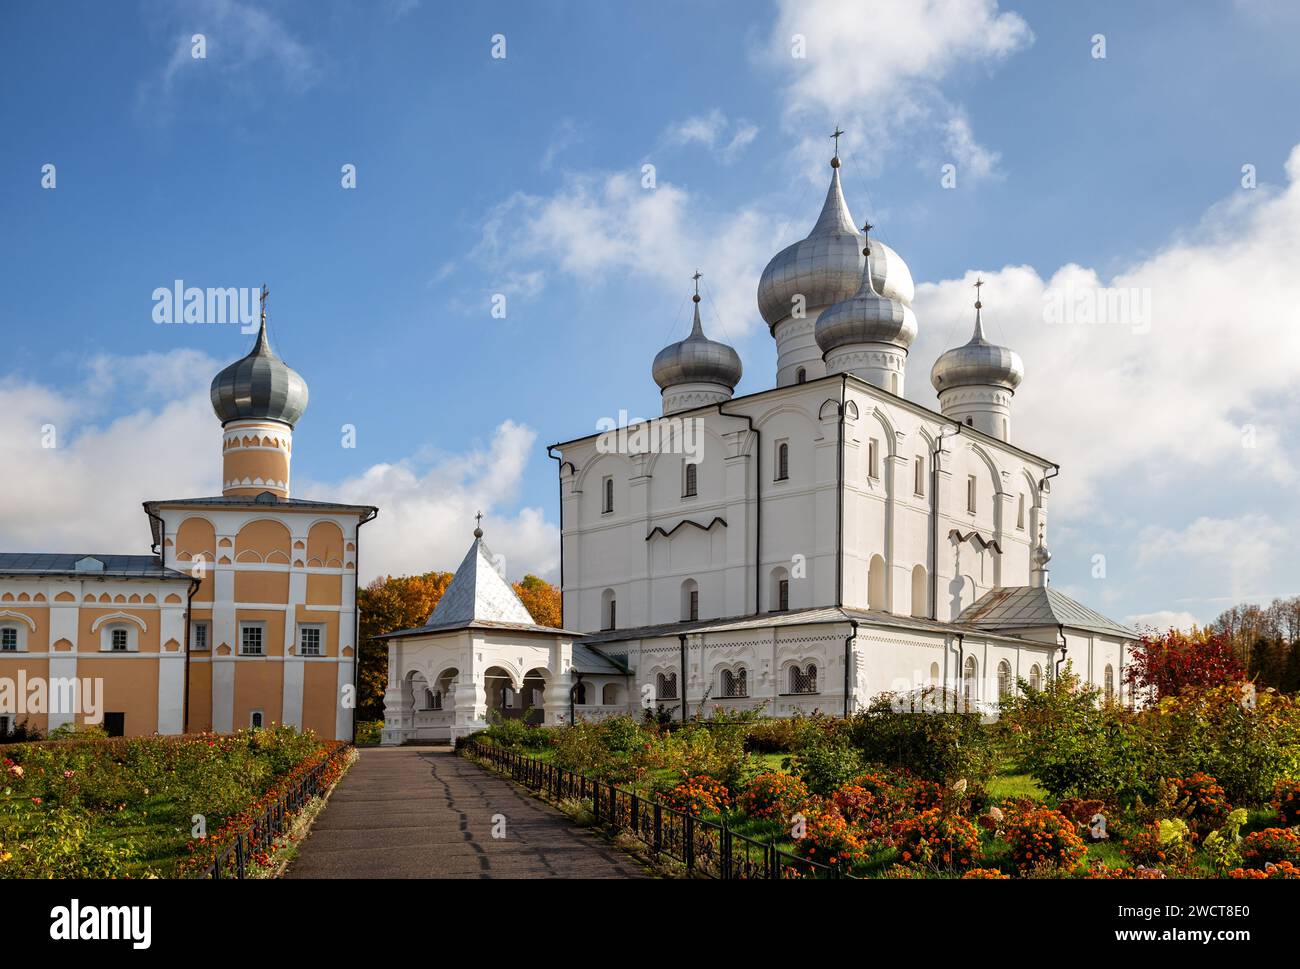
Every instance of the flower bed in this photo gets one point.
(130, 808)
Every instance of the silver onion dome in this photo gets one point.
(826, 267)
(259, 386)
(697, 359)
(866, 316)
(978, 363)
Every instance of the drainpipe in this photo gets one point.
(559, 467)
(369, 516)
(848, 643)
(959, 694)
(758, 513)
(1060, 631)
(839, 511)
(189, 614)
(934, 523)
(681, 641)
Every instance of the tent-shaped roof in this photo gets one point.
(478, 596)
(1027, 607)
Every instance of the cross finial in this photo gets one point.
(478, 526)
(262, 299)
(978, 283)
(866, 232)
(837, 134)
(697, 277)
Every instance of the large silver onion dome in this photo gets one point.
(260, 386)
(697, 359)
(826, 267)
(866, 316)
(978, 363)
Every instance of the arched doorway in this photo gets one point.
(503, 693)
(533, 696)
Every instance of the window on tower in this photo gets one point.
(782, 461)
(691, 484)
(607, 490)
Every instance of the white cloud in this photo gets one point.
(724, 138)
(1161, 621)
(246, 46)
(878, 69)
(427, 509)
(606, 225)
(84, 495)
(1167, 394)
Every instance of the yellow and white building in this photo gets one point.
(243, 615)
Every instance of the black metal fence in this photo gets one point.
(707, 848)
(252, 840)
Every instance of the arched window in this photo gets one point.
(803, 680)
(666, 686)
(800, 375)
(608, 610)
(779, 591)
(782, 461)
(690, 484)
(9, 639)
(580, 694)
(876, 584)
(609, 694)
(920, 592)
(507, 696)
(1035, 677)
(608, 496)
(1004, 680)
(934, 674)
(690, 600)
(969, 692)
(735, 684)
(255, 719)
(1109, 684)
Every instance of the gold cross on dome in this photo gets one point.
(837, 134)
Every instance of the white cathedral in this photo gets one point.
(800, 549)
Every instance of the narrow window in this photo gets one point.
(255, 719)
(782, 461)
(1020, 512)
(873, 458)
(800, 375)
(666, 686)
(119, 640)
(970, 494)
(695, 604)
(9, 639)
(692, 480)
(309, 641)
(608, 505)
(250, 639)
(199, 637)
(613, 614)
(783, 595)
(919, 476)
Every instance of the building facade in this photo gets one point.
(243, 615)
(813, 545)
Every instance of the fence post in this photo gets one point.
(771, 862)
(239, 855)
(690, 842)
(726, 848)
(658, 827)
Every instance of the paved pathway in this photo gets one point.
(423, 812)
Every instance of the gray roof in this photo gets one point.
(800, 617)
(697, 359)
(1031, 607)
(260, 385)
(86, 565)
(588, 660)
(478, 597)
(266, 498)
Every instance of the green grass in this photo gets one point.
(1015, 785)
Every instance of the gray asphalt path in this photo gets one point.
(423, 812)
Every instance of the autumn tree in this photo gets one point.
(1176, 661)
(407, 601)
(541, 599)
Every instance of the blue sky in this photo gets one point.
(521, 176)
